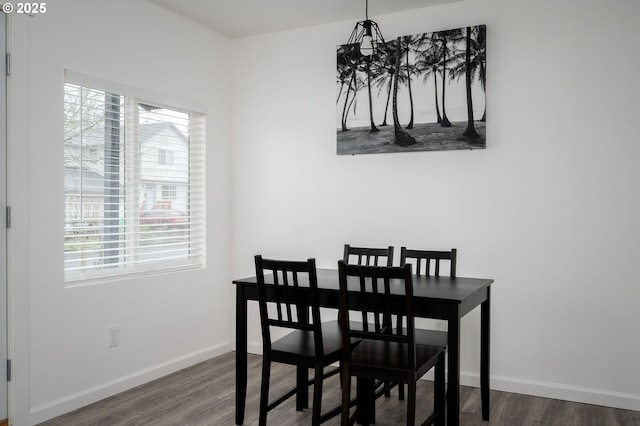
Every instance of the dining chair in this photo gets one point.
(427, 262)
(374, 294)
(287, 290)
(367, 255)
(424, 259)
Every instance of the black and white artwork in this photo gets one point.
(423, 92)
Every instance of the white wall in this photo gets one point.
(166, 321)
(549, 210)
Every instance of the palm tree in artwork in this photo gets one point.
(409, 69)
(361, 70)
(447, 41)
(343, 71)
(345, 107)
(477, 62)
(367, 68)
(382, 77)
(470, 131)
(384, 74)
(428, 65)
(384, 80)
(402, 137)
(347, 69)
(350, 103)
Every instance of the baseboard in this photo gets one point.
(80, 399)
(625, 401)
(560, 391)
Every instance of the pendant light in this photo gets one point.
(366, 35)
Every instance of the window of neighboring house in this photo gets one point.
(115, 221)
(169, 192)
(165, 157)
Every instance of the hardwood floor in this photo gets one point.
(204, 395)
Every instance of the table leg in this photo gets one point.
(365, 401)
(485, 339)
(241, 353)
(302, 373)
(302, 384)
(453, 382)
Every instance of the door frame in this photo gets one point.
(18, 312)
(4, 354)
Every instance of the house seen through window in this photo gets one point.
(134, 193)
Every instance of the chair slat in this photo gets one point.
(276, 282)
(287, 298)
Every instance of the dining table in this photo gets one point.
(437, 297)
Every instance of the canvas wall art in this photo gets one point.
(423, 92)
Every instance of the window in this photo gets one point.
(134, 184)
(165, 157)
(169, 192)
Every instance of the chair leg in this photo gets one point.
(401, 391)
(411, 403)
(302, 386)
(439, 391)
(346, 397)
(317, 396)
(264, 390)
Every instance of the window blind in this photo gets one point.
(134, 185)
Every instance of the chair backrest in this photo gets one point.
(423, 259)
(367, 256)
(378, 293)
(292, 286)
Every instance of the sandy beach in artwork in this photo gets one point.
(429, 137)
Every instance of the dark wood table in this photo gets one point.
(443, 298)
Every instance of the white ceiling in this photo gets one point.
(239, 18)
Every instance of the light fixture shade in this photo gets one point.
(367, 37)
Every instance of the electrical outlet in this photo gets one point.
(114, 336)
(441, 325)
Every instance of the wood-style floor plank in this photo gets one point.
(204, 395)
